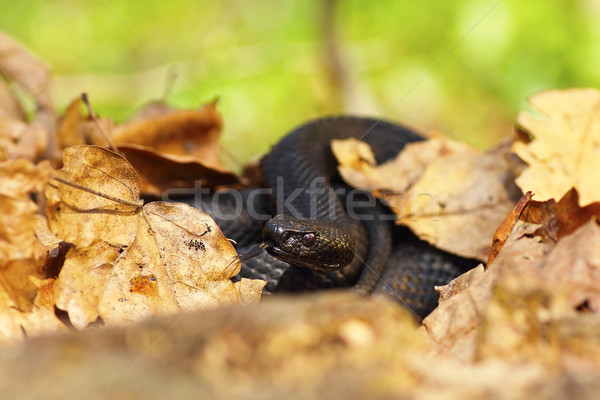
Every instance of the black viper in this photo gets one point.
(316, 242)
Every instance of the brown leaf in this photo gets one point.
(39, 320)
(506, 226)
(33, 76)
(160, 171)
(562, 218)
(75, 129)
(449, 194)
(25, 69)
(526, 304)
(128, 262)
(535, 312)
(174, 149)
(85, 218)
(82, 280)
(453, 325)
(185, 132)
(22, 140)
(68, 132)
(22, 255)
(18, 242)
(565, 150)
(574, 264)
(555, 219)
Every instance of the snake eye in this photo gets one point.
(308, 239)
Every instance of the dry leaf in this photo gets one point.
(160, 171)
(130, 262)
(25, 69)
(23, 308)
(506, 226)
(562, 218)
(31, 74)
(76, 129)
(173, 149)
(449, 194)
(21, 140)
(84, 218)
(192, 133)
(527, 302)
(540, 312)
(556, 219)
(566, 145)
(454, 324)
(10, 108)
(39, 320)
(68, 132)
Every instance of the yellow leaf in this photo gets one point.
(565, 150)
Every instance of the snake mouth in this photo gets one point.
(272, 248)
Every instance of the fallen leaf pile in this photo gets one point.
(76, 236)
(128, 261)
(79, 249)
(530, 316)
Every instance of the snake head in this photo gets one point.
(318, 244)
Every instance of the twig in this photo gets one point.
(105, 134)
(336, 67)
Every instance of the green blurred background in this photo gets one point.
(464, 68)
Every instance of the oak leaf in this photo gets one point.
(565, 150)
(556, 219)
(542, 312)
(449, 194)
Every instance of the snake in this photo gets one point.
(311, 240)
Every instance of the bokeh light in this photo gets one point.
(463, 68)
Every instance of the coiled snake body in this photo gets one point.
(312, 241)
